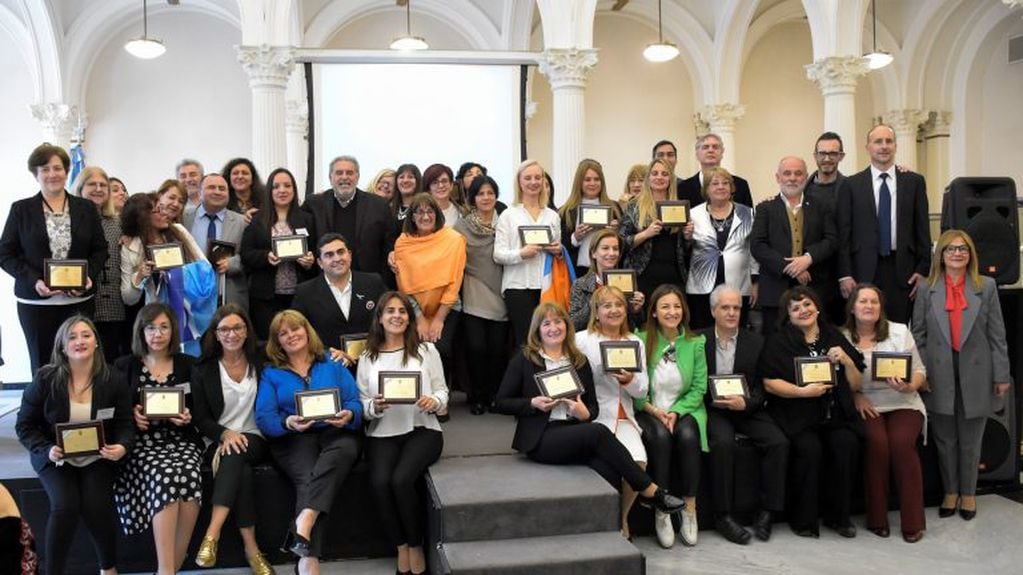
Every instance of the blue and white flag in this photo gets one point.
(77, 162)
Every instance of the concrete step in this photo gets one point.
(580, 554)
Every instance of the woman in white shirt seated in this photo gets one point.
(403, 439)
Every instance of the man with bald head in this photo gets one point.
(884, 234)
(793, 238)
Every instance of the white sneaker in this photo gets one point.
(665, 530)
(690, 530)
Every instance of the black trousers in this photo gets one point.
(809, 448)
(80, 491)
(771, 443)
(520, 304)
(264, 310)
(668, 452)
(395, 465)
(233, 484)
(896, 293)
(486, 346)
(590, 444)
(40, 323)
(317, 463)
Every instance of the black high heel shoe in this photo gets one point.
(296, 545)
(944, 512)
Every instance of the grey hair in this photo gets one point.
(189, 162)
(718, 291)
(345, 158)
(705, 137)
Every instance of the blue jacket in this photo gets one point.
(275, 400)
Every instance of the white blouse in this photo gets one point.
(884, 398)
(520, 273)
(401, 419)
(239, 402)
(610, 393)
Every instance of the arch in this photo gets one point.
(518, 25)
(835, 27)
(15, 28)
(567, 23)
(918, 47)
(266, 21)
(788, 11)
(885, 86)
(47, 57)
(729, 47)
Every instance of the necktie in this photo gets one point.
(884, 218)
(211, 230)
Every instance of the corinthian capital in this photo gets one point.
(837, 74)
(567, 67)
(905, 121)
(267, 65)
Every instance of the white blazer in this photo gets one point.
(739, 263)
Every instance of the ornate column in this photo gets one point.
(268, 68)
(836, 78)
(720, 119)
(936, 132)
(906, 124)
(566, 70)
(58, 122)
(297, 126)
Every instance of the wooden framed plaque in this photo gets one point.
(401, 387)
(621, 355)
(536, 235)
(163, 402)
(624, 280)
(317, 404)
(217, 250)
(594, 215)
(290, 247)
(559, 383)
(353, 344)
(814, 370)
(78, 439)
(673, 213)
(65, 274)
(885, 364)
(725, 386)
(166, 256)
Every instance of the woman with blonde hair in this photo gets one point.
(172, 196)
(382, 184)
(633, 185)
(588, 188)
(605, 254)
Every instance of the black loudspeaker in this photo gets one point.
(985, 208)
(999, 454)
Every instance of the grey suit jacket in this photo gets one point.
(983, 355)
(236, 285)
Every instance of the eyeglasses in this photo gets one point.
(235, 329)
(440, 182)
(964, 249)
(157, 329)
(830, 155)
(423, 213)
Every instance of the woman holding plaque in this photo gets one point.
(404, 437)
(721, 248)
(816, 413)
(272, 278)
(958, 326)
(94, 185)
(620, 376)
(244, 187)
(524, 262)
(588, 190)
(55, 225)
(672, 413)
(484, 315)
(160, 484)
(605, 255)
(315, 447)
(658, 252)
(561, 431)
(77, 387)
(224, 391)
(892, 411)
(408, 182)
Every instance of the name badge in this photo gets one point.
(106, 413)
(301, 232)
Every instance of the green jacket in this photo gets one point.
(692, 364)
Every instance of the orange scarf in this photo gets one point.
(432, 262)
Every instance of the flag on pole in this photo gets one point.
(77, 162)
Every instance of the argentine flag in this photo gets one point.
(77, 162)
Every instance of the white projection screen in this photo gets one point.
(390, 114)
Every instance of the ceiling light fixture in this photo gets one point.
(408, 41)
(145, 47)
(878, 58)
(660, 51)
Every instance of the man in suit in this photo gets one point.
(884, 234)
(213, 221)
(361, 217)
(793, 238)
(709, 152)
(340, 301)
(731, 350)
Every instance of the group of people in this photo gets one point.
(837, 267)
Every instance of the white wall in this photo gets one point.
(1000, 121)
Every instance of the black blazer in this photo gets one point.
(24, 243)
(519, 387)
(375, 228)
(208, 396)
(748, 345)
(255, 247)
(857, 227)
(130, 368)
(690, 189)
(316, 302)
(42, 408)
(771, 243)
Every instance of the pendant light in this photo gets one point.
(408, 41)
(660, 51)
(145, 47)
(878, 58)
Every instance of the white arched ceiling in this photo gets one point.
(44, 31)
(519, 24)
(789, 11)
(13, 27)
(567, 23)
(924, 31)
(266, 22)
(730, 40)
(836, 26)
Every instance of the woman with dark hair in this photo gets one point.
(408, 182)
(893, 413)
(315, 455)
(119, 192)
(75, 387)
(244, 188)
(958, 326)
(588, 188)
(467, 172)
(605, 254)
(52, 224)
(485, 317)
(402, 440)
(440, 182)
(817, 418)
(172, 196)
(159, 485)
(272, 280)
(224, 392)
